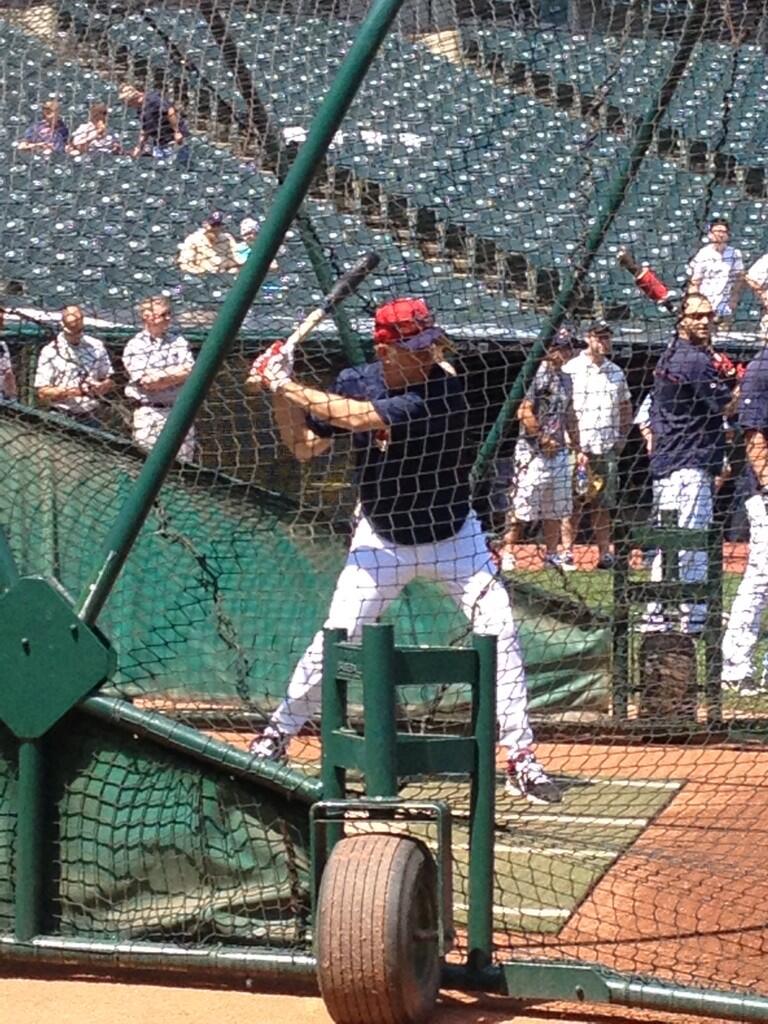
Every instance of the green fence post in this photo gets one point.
(236, 305)
(9, 574)
(482, 812)
(30, 832)
(378, 664)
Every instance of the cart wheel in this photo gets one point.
(377, 945)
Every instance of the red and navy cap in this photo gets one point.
(408, 323)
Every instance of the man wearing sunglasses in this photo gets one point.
(689, 402)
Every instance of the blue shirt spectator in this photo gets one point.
(163, 131)
(49, 134)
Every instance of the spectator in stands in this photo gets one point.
(757, 280)
(249, 229)
(8, 389)
(93, 136)
(74, 371)
(689, 401)
(49, 134)
(603, 409)
(542, 487)
(157, 362)
(210, 249)
(163, 133)
(717, 271)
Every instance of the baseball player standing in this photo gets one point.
(157, 362)
(74, 371)
(408, 420)
(751, 599)
(689, 400)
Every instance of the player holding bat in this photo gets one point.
(408, 417)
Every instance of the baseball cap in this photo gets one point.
(599, 327)
(248, 225)
(406, 322)
(564, 338)
(215, 218)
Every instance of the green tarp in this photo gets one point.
(226, 583)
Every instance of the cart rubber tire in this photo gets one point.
(377, 942)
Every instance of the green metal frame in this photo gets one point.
(382, 754)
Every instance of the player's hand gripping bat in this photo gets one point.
(283, 351)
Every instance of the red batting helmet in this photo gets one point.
(406, 322)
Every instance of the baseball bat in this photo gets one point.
(646, 280)
(344, 286)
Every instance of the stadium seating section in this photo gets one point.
(550, 114)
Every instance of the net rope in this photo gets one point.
(475, 161)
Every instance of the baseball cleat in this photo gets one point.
(749, 687)
(526, 778)
(269, 745)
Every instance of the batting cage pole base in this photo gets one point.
(582, 983)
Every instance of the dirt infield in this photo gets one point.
(36, 1001)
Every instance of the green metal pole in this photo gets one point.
(9, 574)
(482, 808)
(615, 195)
(223, 757)
(30, 832)
(234, 309)
(351, 344)
(260, 121)
(378, 666)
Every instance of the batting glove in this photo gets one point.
(273, 367)
(276, 350)
(273, 375)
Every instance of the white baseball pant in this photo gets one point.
(148, 423)
(688, 492)
(751, 599)
(376, 571)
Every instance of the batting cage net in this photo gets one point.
(568, 201)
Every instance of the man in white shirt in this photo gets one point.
(7, 377)
(74, 371)
(157, 363)
(603, 407)
(717, 271)
(757, 280)
(210, 249)
(93, 136)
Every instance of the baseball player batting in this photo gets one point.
(408, 419)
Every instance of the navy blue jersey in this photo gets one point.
(753, 409)
(687, 411)
(154, 120)
(413, 476)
